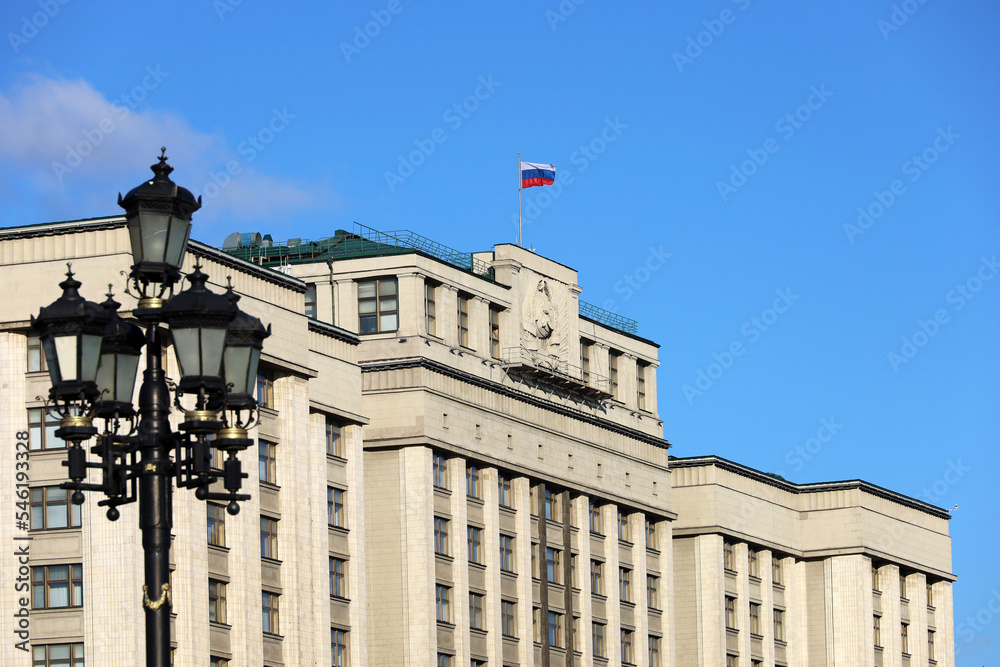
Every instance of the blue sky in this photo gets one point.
(719, 161)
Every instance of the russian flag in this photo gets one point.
(537, 174)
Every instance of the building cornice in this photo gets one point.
(324, 329)
(202, 250)
(496, 387)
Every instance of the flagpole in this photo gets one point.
(520, 239)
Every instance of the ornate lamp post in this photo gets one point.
(93, 355)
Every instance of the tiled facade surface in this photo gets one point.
(525, 412)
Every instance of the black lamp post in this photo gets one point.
(93, 356)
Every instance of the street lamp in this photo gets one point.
(93, 355)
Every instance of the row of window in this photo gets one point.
(903, 595)
(614, 356)
(904, 637)
(756, 627)
(753, 562)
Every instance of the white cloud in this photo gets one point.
(71, 149)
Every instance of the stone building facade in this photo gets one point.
(458, 463)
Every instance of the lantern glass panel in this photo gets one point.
(135, 237)
(199, 351)
(252, 375)
(177, 243)
(65, 348)
(90, 345)
(116, 376)
(237, 362)
(51, 360)
(155, 234)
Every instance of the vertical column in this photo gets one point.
(420, 640)
(668, 652)
(740, 550)
(460, 559)
(479, 326)
(410, 304)
(447, 314)
(345, 305)
(944, 615)
(352, 437)
(850, 611)
(325, 300)
(609, 516)
(317, 542)
(581, 512)
(767, 605)
(521, 490)
(627, 383)
(641, 644)
(796, 619)
(711, 611)
(651, 389)
(491, 547)
(916, 590)
(892, 650)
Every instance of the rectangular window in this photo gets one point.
(732, 660)
(334, 445)
(625, 584)
(613, 371)
(440, 471)
(628, 647)
(731, 612)
(476, 621)
(267, 460)
(779, 625)
(265, 389)
(930, 594)
(930, 645)
(877, 625)
(599, 632)
(338, 647)
(50, 508)
(213, 661)
(753, 565)
(57, 655)
(552, 507)
(597, 577)
(338, 580)
(640, 384)
(904, 637)
(654, 651)
(494, 332)
(440, 536)
(445, 660)
(430, 308)
(902, 587)
(336, 516)
(876, 582)
(553, 563)
(216, 525)
(596, 523)
(378, 309)
(729, 556)
(310, 301)
(506, 553)
(442, 597)
(555, 629)
(56, 586)
(754, 618)
(216, 601)
(585, 353)
(475, 539)
(269, 609)
(472, 486)
(653, 591)
(777, 576)
(36, 360)
(268, 538)
(463, 320)
(652, 542)
(624, 528)
(508, 618)
(42, 431)
(504, 491)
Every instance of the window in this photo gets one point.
(56, 586)
(335, 514)
(779, 625)
(585, 352)
(597, 577)
(624, 528)
(213, 661)
(430, 308)
(50, 508)
(265, 389)
(613, 371)
(266, 458)
(777, 576)
(216, 601)
(753, 563)
(654, 651)
(508, 618)
(338, 647)
(57, 655)
(555, 629)
(553, 560)
(269, 609)
(625, 584)
(930, 594)
(475, 536)
(596, 524)
(506, 553)
(930, 645)
(628, 647)
(729, 556)
(877, 625)
(652, 541)
(444, 660)
(440, 536)
(338, 582)
(902, 587)
(472, 487)
(640, 385)
(599, 632)
(876, 583)
(440, 471)
(552, 506)
(536, 624)
(42, 430)
(377, 306)
(904, 637)
(476, 611)
(310, 301)
(504, 491)
(268, 538)
(216, 525)
(494, 332)
(473, 662)
(443, 603)
(36, 359)
(463, 320)
(653, 591)
(730, 612)
(755, 619)
(334, 445)
(732, 660)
